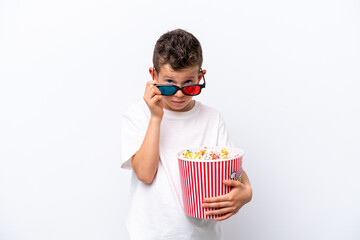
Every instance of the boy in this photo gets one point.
(154, 130)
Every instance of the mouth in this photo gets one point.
(178, 102)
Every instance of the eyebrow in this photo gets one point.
(176, 83)
(172, 79)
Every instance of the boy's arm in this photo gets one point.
(146, 160)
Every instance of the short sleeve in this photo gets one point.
(133, 129)
(223, 138)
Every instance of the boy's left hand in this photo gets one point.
(229, 204)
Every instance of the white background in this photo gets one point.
(284, 74)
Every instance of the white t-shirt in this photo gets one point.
(156, 209)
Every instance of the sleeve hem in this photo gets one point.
(127, 164)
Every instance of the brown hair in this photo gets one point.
(178, 48)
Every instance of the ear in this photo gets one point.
(200, 75)
(151, 71)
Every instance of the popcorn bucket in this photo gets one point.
(203, 178)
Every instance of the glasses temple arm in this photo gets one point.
(203, 77)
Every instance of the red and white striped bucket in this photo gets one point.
(203, 179)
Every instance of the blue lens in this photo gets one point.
(167, 90)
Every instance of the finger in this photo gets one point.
(216, 205)
(151, 92)
(226, 216)
(157, 91)
(222, 198)
(154, 89)
(155, 99)
(150, 84)
(220, 211)
(231, 183)
(148, 87)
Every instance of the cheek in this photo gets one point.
(188, 98)
(166, 98)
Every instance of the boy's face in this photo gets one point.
(177, 102)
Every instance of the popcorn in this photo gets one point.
(206, 154)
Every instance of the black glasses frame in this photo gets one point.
(182, 88)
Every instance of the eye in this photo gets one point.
(170, 81)
(188, 82)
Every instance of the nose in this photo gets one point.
(179, 93)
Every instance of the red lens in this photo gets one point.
(192, 90)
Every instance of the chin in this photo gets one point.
(178, 106)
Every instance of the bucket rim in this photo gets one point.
(238, 156)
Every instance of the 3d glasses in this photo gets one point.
(190, 90)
